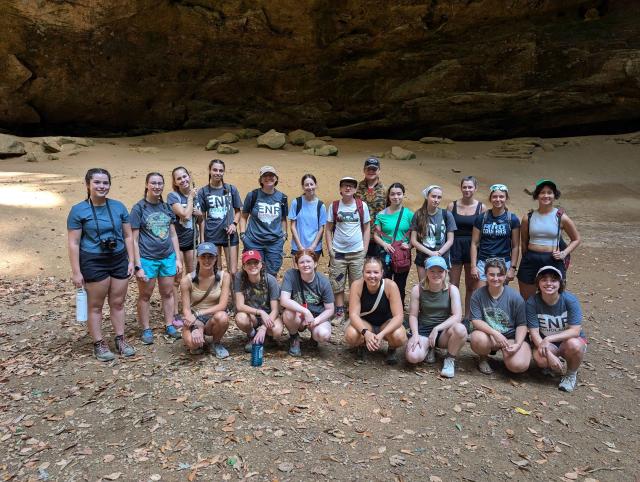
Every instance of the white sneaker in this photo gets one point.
(448, 367)
(431, 356)
(568, 382)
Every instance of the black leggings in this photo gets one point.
(400, 279)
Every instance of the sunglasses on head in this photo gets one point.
(498, 187)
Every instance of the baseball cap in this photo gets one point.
(435, 261)
(207, 248)
(372, 162)
(350, 180)
(249, 255)
(268, 169)
(546, 182)
(546, 269)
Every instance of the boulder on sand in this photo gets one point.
(212, 145)
(227, 149)
(248, 133)
(401, 154)
(228, 138)
(51, 145)
(436, 140)
(314, 144)
(300, 136)
(11, 146)
(272, 139)
(326, 150)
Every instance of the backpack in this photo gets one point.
(299, 208)
(359, 208)
(561, 242)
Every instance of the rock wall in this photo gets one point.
(405, 68)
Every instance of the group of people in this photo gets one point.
(368, 235)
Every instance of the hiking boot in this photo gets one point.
(360, 352)
(171, 331)
(294, 345)
(484, 367)
(431, 356)
(392, 356)
(102, 352)
(218, 350)
(568, 382)
(448, 367)
(123, 348)
(147, 336)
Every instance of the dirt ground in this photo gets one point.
(168, 415)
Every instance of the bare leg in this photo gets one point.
(418, 354)
(454, 274)
(468, 290)
(526, 290)
(453, 339)
(397, 338)
(165, 286)
(481, 343)
(422, 273)
(231, 257)
(217, 326)
(322, 332)
(145, 289)
(573, 351)
(292, 321)
(117, 294)
(519, 361)
(96, 294)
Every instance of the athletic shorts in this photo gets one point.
(100, 266)
(461, 250)
(421, 258)
(156, 268)
(342, 265)
(184, 249)
(532, 261)
(481, 273)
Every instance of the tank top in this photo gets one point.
(464, 223)
(383, 311)
(435, 308)
(212, 299)
(543, 228)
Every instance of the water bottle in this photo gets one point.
(81, 306)
(257, 350)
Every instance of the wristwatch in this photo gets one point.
(136, 268)
(363, 331)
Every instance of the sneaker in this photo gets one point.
(123, 347)
(568, 382)
(177, 321)
(102, 352)
(294, 346)
(448, 367)
(147, 336)
(360, 352)
(171, 331)
(392, 356)
(218, 350)
(484, 367)
(547, 372)
(431, 356)
(196, 351)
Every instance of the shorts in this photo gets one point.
(271, 253)
(532, 261)
(426, 331)
(100, 266)
(480, 266)
(318, 253)
(342, 265)
(422, 257)
(461, 250)
(156, 268)
(185, 249)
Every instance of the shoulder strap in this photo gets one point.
(395, 231)
(334, 209)
(559, 214)
(377, 302)
(304, 299)
(318, 209)
(298, 205)
(478, 208)
(254, 198)
(360, 209)
(455, 206)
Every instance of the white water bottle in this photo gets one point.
(81, 306)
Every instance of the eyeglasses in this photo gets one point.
(499, 187)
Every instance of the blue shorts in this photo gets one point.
(155, 268)
(480, 265)
(271, 254)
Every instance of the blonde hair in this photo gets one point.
(445, 284)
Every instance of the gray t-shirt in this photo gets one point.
(265, 218)
(441, 223)
(154, 222)
(219, 210)
(258, 296)
(503, 314)
(316, 293)
(347, 237)
(81, 217)
(552, 319)
(184, 227)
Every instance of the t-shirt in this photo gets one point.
(347, 237)
(81, 217)
(154, 222)
(307, 222)
(441, 223)
(265, 220)
(495, 234)
(184, 227)
(504, 314)
(552, 319)
(219, 210)
(255, 296)
(387, 223)
(375, 197)
(316, 293)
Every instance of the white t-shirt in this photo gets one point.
(347, 238)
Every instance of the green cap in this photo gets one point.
(545, 181)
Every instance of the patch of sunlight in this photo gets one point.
(29, 196)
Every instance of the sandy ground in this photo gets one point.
(166, 415)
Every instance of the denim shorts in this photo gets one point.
(480, 265)
(156, 268)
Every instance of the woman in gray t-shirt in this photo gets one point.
(307, 299)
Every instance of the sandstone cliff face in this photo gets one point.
(456, 68)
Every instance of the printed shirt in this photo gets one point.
(503, 314)
(347, 237)
(154, 222)
(553, 319)
(375, 198)
(265, 220)
(316, 293)
(255, 296)
(219, 209)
